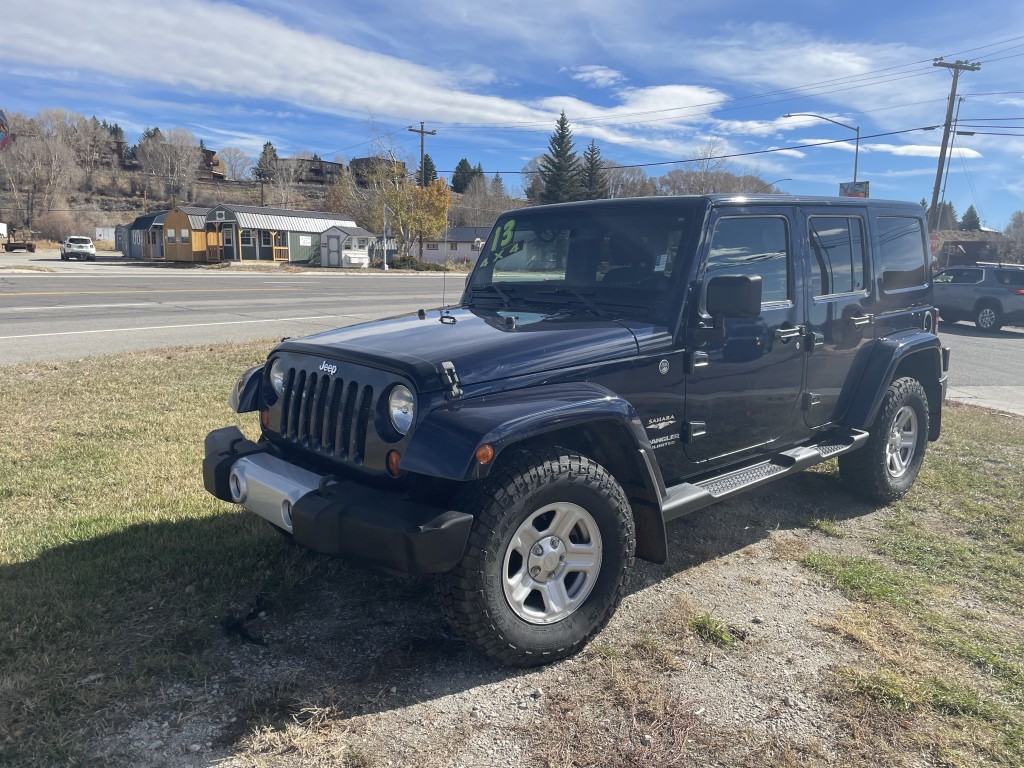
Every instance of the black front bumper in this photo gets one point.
(362, 524)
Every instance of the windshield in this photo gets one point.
(596, 257)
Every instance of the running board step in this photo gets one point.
(687, 497)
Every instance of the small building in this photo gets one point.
(311, 170)
(185, 235)
(253, 233)
(459, 244)
(121, 238)
(146, 237)
(347, 247)
(104, 233)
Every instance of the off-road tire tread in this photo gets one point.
(863, 471)
(458, 591)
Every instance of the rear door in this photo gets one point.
(840, 307)
(743, 391)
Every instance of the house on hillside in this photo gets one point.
(459, 244)
(252, 233)
(345, 247)
(211, 167)
(362, 168)
(311, 170)
(185, 235)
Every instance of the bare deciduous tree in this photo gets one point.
(236, 162)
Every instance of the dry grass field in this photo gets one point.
(145, 623)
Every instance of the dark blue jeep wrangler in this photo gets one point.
(611, 366)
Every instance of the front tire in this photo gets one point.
(548, 558)
(888, 464)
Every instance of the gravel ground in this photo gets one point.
(364, 672)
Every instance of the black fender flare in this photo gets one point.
(246, 394)
(917, 351)
(444, 443)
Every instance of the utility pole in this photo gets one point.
(957, 67)
(423, 177)
(423, 134)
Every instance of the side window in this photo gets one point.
(1014, 277)
(903, 256)
(752, 245)
(837, 248)
(967, 276)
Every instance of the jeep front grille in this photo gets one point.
(326, 414)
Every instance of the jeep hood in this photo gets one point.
(483, 345)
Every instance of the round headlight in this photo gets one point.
(277, 374)
(401, 409)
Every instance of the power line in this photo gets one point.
(750, 153)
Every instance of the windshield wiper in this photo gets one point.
(581, 297)
(491, 287)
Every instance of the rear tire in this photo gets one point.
(886, 467)
(548, 558)
(988, 318)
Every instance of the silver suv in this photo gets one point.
(992, 295)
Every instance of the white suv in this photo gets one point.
(77, 247)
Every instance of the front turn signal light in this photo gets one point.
(485, 453)
(393, 460)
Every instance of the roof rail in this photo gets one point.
(1000, 264)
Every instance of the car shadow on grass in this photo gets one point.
(222, 629)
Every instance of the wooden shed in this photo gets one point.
(347, 247)
(145, 236)
(186, 237)
(252, 233)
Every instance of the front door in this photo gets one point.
(743, 390)
(840, 309)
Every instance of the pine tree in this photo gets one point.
(462, 175)
(594, 182)
(560, 167)
(266, 167)
(970, 221)
(497, 186)
(428, 171)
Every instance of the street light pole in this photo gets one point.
(855, 128)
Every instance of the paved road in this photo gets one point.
(82, 309)
(986, 369)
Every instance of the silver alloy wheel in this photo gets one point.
(986, 317)
(552, 563)
(902, 444)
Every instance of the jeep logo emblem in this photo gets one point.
(328, 368)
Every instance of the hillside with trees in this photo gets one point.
(64, 173)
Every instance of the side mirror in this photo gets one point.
(734, 296)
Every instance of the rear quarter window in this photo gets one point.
(902, 255)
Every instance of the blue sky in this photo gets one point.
(651, 82)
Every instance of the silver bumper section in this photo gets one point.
(375, 527)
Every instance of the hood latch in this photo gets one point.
(450, 379)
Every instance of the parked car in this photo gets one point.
(611, 366)
(78, 247)
(988, 293)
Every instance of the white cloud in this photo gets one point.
(598, 76)
(255, 57)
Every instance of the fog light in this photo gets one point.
(485, 453)
(393, 460)
(236, 483)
